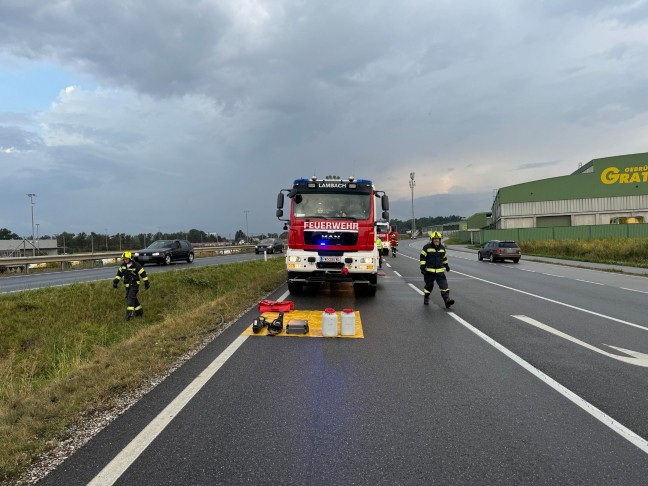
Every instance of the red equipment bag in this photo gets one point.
(276, 305)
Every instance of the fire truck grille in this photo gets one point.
(333, 238)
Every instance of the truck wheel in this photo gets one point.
(295, 287)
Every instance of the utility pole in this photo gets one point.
(37, 238)
(247, 231)
(31, 200)
(412, 183)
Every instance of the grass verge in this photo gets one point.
(67, 351)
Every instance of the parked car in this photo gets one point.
(164, 252)
(496, 250)
(269, 245)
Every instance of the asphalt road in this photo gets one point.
(37, 280)
(517, 384)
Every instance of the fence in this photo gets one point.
(556, 233)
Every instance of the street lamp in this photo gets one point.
(247, 231)
(31, 200)
(412, 183)
(37, 238)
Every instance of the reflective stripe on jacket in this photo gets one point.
(433, 258)
(131, 275)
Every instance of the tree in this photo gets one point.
(6, 234)
(240, 235)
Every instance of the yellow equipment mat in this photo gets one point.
(314, 318)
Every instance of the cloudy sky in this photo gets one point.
(143, 116)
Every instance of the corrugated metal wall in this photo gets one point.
(574, 206)
(558, 233)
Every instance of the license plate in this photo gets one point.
(330, 259)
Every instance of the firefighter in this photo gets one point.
(434, 264)
(393, 239)
(380, 249)
(132, 273)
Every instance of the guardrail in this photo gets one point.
(23, 263)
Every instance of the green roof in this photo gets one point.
(623, 175)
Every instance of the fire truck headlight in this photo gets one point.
(294, 259)
(366, 260)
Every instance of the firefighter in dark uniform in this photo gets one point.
(434, 264)
(132, 274)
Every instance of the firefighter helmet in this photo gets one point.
(435, 234)
(127, 254)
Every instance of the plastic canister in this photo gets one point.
(348, 322)
(329, 322)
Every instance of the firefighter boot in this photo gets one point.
(426, 299)
(139, 313)
(129, 315)
(448, 301)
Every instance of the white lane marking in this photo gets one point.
(553, 275)
(397, 274)
(601, 416)
(640, 359)
(588, 281)
(415, 288)
(388, 265)
(635, 290)
(122, 461)
(284, 295)
(527, 270)
(557, 302)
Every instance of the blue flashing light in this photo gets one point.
(367, 181)
(297, 181)
(322, 243)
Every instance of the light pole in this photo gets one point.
(412, 183)
(37, 238)
(106, 239)
(247, 231)
(31, 200)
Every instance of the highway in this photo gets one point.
(537, 375)
(37, 280)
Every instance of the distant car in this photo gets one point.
(269, 245)
(164, 252)
(497, 250)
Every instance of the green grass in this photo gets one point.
(618, 251)
(67, 351)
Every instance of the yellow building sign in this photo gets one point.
(629, 175)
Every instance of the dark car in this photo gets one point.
(165, 251)
(269, 245)
(497, 250)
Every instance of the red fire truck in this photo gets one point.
(332, 233)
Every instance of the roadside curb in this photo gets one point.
(638, 271)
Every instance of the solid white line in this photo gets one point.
(605, 419)
(635, 290)
(131, 452)
(556, 302)
(397, 274)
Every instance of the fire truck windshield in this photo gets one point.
(332, 205)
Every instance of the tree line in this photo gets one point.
(91, 242)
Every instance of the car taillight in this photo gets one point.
(499, 250)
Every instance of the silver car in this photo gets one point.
(496, 250)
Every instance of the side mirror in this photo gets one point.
(385, 214)
(279, 213)
(385, 203)
(280, 201)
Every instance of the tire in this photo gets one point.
(516, 260)
(190, 258)
(167, 259)
(492, 258)
(295, 287)
(479, 256)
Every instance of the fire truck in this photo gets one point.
(382, 230)
(332, 232)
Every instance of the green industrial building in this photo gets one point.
(610, 190)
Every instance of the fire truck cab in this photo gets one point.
(332, 232)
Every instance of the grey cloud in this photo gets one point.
(536, 165)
